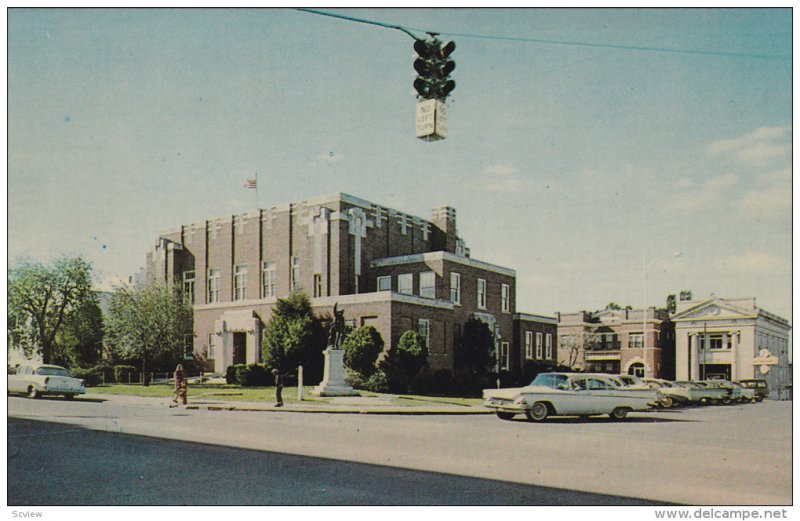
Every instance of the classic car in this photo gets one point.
(745, 394)
(759, 386)
(670, 394)
(36, 380)
(703, 394)
(567, 394)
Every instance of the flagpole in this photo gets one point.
(257, 205)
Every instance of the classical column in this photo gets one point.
(734, 355)
(695, 366)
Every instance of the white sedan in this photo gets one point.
(36, 380)
(568, 394)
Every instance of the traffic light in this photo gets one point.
(433, 67)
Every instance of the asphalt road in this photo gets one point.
(712, 456)
(62, 465)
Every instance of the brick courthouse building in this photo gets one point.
(384, 268)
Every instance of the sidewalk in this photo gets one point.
(381, 404)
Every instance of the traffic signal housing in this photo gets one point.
(433, 66)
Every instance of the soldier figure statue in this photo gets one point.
(336, 333)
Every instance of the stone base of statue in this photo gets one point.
(333, 383)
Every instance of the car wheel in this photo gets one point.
(667, 402)
(619, 413)
(32, 392)
(537, 412)
(69, 396)
(505, 415)
(759, 398)
(726, 400)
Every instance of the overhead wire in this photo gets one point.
(571, 43)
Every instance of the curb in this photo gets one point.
(345, 410)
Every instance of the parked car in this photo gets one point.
(670, 393)
(732, 393)
(760, 387)
(36, 380)
(703, 394)
(567, 394)
(745, 394)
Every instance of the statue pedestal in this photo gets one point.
(333, 383)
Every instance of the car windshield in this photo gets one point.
(553, 381)
(52, 371)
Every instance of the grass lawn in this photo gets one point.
(236, 393)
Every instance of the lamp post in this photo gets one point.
(646, 265)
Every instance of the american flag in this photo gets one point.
(250, 183)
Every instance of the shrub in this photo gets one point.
(230, 373)
(253, 375)
(121, 372)
(404, 361)
(377, 382)
(361, 349)
(91, 376)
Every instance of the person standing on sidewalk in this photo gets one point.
(181, 385)
(278, 388)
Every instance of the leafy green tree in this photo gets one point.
(80, 341)
(42, 299)
(404, 361)
(474, 356)
(361, 349)
(148, 323)
(293, 337)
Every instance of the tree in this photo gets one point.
(686, 294)
(80, 341)
(474, 356)
(146, 323)
(404, 361)
(293, 336)
(672, 304)
(361, 349)
(41, 299)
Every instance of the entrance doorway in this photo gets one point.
(636, 369)
(239, 348)
(715, 371)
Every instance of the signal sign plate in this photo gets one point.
(431, 120)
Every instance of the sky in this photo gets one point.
(585, 147)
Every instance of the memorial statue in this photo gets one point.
(336, 332)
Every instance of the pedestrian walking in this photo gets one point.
(181, 386)
(278, 388)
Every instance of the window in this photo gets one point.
(715, 341)
(213, 285)
(267, 279)
(385, 283)
(455, 288)
(239, 282)
(529, 345)
(481, 294)
(424, 330)
(504, 355)
(188, 347)
(295, 285)
(548, 346)
(427, 284)
(188, 287)
(539, 346)
(317, 285)
(405, 284)
(210, 352)
(635, 341)
(505, 298)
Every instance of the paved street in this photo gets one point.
(710, 455)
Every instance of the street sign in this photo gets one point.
(431, 120)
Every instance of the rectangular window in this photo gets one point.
(210, 352)
(240, 282)
(505, 298)
(528, 345)
(405, 284)
(548, 346)
(504, 358)
(424, 330)
(188, 287)
(213, 285)
(635, 341)
(267, 279)
(481, 294)
(295, 275)
(385, 283)
(188, 347)
(427, 284)
(455, 288)
(715, 341)
(539, 346)
(317, 285)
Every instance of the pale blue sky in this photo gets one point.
(567, 163)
